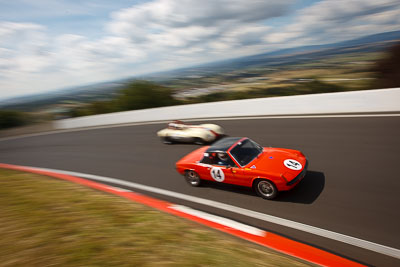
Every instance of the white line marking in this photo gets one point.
(204, 119)
(389, 251)
(220, 220)
(118, 189)
(303, 117)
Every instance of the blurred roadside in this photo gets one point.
(352, 68)
(28, 129)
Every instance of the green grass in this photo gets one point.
(46, 222)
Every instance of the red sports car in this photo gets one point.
(241, 161)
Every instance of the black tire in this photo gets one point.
(265, 189)
(199, 141)
(192, 178)
(166, 140)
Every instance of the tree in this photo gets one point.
(388, 69)
(10, 118)
(100, 107)
(143, 94)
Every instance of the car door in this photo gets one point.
(221, 174)
(241, 176)
(215, 172)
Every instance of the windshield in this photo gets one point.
(244, 152)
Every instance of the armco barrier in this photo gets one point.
(382, 100)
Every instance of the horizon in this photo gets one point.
(71, 44)
(63, 91)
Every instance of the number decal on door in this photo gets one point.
(217, 174)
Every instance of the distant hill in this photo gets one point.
(371, 43)
(88, 92)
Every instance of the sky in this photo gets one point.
(55, 44)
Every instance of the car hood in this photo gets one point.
(272, 160)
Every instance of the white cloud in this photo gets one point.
(168, 29)
(161, 34)
(165, 34)
(161, 14)
(337, 20)
(23, 49)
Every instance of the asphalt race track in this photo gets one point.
(352, 187)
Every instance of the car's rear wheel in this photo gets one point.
(199, 141)
(265, 189)
(192, 178)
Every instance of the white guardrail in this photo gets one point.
(382, 100)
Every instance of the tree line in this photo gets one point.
(136, 95)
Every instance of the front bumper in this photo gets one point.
(300, 176)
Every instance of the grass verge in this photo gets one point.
(46, 222)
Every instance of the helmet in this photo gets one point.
(222, 156)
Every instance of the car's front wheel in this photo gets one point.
(166, 140)
(192, 178)
(265, 189)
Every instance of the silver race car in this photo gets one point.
(179, 132)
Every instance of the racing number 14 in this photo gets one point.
(217, 174)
